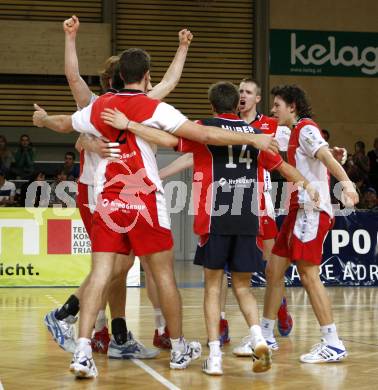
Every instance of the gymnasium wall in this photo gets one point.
(346, 106)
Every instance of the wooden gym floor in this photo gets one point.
(30, 359)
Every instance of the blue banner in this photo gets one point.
(350, 253)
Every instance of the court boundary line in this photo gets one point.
(164, 381)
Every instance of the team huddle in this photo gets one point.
(121, 201)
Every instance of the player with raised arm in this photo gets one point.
(62, 328)
(304, 229)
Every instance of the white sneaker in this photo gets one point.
(261, 356)
(181, 360)
(213, 365)
(324, 353)
(244, 348)
(62, 331)
(83, 366)
(272, 344)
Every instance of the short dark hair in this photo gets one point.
(360, 144)
(72, 154)
(224, 97)
(109, 75)
(293, 94)
(134, 63)
(252, 81)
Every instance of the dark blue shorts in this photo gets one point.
(238, 253)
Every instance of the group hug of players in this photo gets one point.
(122, 204)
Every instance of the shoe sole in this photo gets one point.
(80, 374)
(176, 367)
(264, 359)
(242, 354)
(213, 373)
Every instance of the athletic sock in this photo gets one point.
(255, 331)
(83, 344)
(215, 348)
(119, 330)
(329, 332)
(267, 328)
(101, 321)
(178, 344)
(223, 315)
(160, 323)
(70, 308)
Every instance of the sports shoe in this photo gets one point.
(244, 348)
(131, 349)
(213, 365)
(261, 355)
(324, 353)
(62, 331)
(223, 332)
(181, 360)
(284, 319)
(162, 340)
(83, 366)
(272, 344)
(100, 340)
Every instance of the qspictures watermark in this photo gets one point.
(17, 270)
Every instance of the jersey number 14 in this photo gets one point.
(244, 157)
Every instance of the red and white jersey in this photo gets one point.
(266, 125)
(282, 136)
(305, 141)
(137, 168)
(89, 161)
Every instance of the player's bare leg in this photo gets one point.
(275, 285)
(331, 348)
(284, 319)
(93, 294)
(223, 323)
(248, 306)
(212, 308)
(161, 336)
(161, 265)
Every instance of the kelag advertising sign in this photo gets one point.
(350, 255)
(323, 53)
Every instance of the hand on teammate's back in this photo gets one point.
(265, 142)
(106, 149)
(115, 118)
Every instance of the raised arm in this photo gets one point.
(117, 119)
(58, 123)
(173, 74)
(180, 164)
(79, 88)
(336, 170)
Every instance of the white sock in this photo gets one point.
(256, 331)
(84, 345)
(178, 344)
(215, 348)
(329, 332)
(267, 328)
(160, 323)
(101, 321)
(223, 315)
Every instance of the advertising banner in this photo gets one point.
(46, 247)
(350, 253)
(323, 53)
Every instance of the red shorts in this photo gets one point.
(302, 235)
(268, 227)
(82, 202)
(123, 223)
